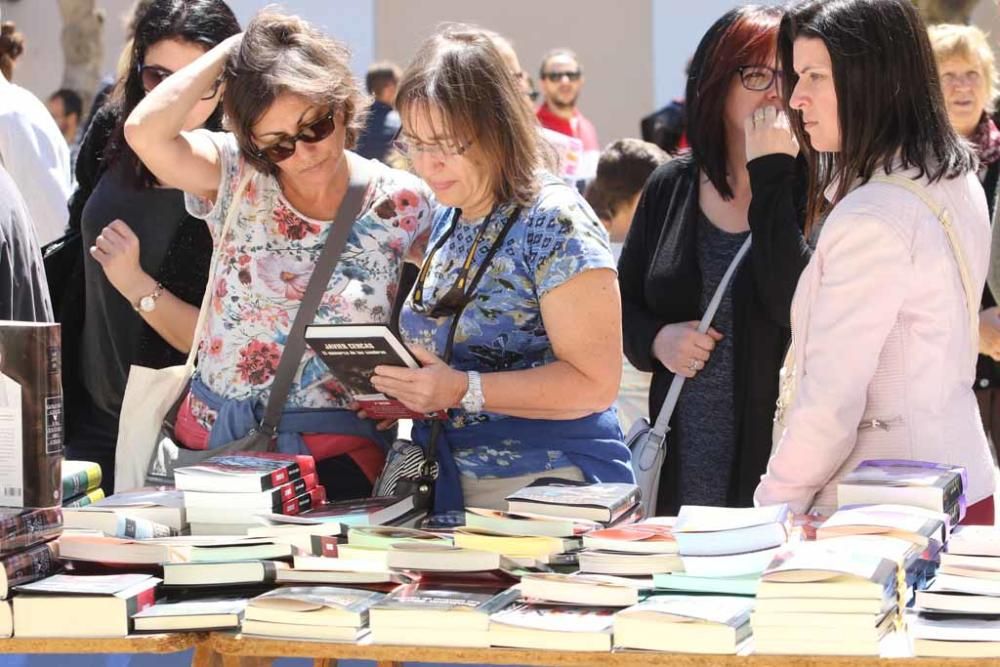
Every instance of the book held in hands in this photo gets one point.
(352, 352)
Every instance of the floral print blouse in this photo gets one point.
(554, 239)
(266, 262)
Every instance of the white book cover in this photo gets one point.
(731, 611)
(701, 518)
(556, 618)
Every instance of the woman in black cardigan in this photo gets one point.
(143, 267)
(694, 214)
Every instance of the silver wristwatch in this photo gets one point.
(473, 400)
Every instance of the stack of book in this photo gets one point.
(814, 599)
(423, 614)
(147, 511)
(641, 549)
(226, 494)
(65, 605)
(730, 542)
(933, 486)
(529, 539)
(199, 615)
(569, 612)
(81, 483)
(958, 614)
(606, 503)
(27, 553)
(323, 613)
(685, 624)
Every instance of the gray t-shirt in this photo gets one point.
(706, 421)
(112, 329)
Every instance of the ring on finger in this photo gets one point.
(693, 365)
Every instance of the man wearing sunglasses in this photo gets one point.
(561, 78)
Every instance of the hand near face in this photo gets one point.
(768, 132)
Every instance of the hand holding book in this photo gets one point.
(433, 387)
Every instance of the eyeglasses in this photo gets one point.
(284, 148)
(758, 78)
(442, 150)
(153, 75)
(556, 77)
(970, 79)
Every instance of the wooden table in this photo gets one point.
(165, 643)
(232, 647)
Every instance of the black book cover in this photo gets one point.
(31, 415)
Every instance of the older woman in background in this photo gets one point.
(969, 81)
(521, 267)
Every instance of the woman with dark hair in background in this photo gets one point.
(295, 111)
(692, 218)
(885, 315)
(145, 261)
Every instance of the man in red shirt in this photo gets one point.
(561, 79)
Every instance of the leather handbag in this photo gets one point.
(147, 449)
(648, 443)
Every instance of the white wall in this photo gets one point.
(40, 67)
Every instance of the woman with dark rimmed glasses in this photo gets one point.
(693, 216)
(139, 242)
(295, 111)
(517, 291)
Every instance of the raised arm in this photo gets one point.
(188, 161)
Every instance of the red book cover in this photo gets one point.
(294, 489)
(314, 497)
(326, 545)
(244, 471)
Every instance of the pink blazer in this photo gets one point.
(884, 359)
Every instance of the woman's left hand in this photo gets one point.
(435, 386)
(767, 132)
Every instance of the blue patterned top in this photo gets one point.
(553, 240)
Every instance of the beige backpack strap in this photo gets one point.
(206, 301)
(971, 297)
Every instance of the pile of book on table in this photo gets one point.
(81, 483)
(27, 553)
(958, 613)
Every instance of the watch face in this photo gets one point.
(147, 304)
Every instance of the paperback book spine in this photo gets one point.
(88, 498)
(28, 527)
(81, 481)
(32, 564)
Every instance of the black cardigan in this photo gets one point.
(184, 271)
(661, 284)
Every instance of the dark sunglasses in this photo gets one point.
(758, 78)
(555, 77)
(153, 75)
(318, 130)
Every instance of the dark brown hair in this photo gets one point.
(621, 172)
(460, 72)
(380, 75)
(285, 54)
(742, 36)
(872, 44)
(11, 48)
(201, 22)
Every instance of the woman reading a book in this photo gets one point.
(524, 265)
(694, 215)
(885, 316)
(283, 174)
(138, 240)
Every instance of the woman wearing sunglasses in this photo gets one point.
(521, 268)
(295, 109)
(693, 216)
(145, 260)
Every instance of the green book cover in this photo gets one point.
(79, 477)
(720, 585)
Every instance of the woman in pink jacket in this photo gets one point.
(884, 334)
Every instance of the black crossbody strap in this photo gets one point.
(295, 346)
(450, 343)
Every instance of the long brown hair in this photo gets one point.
(889, 100)
(11, 48)
(460, 72)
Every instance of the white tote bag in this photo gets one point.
(151, 392)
